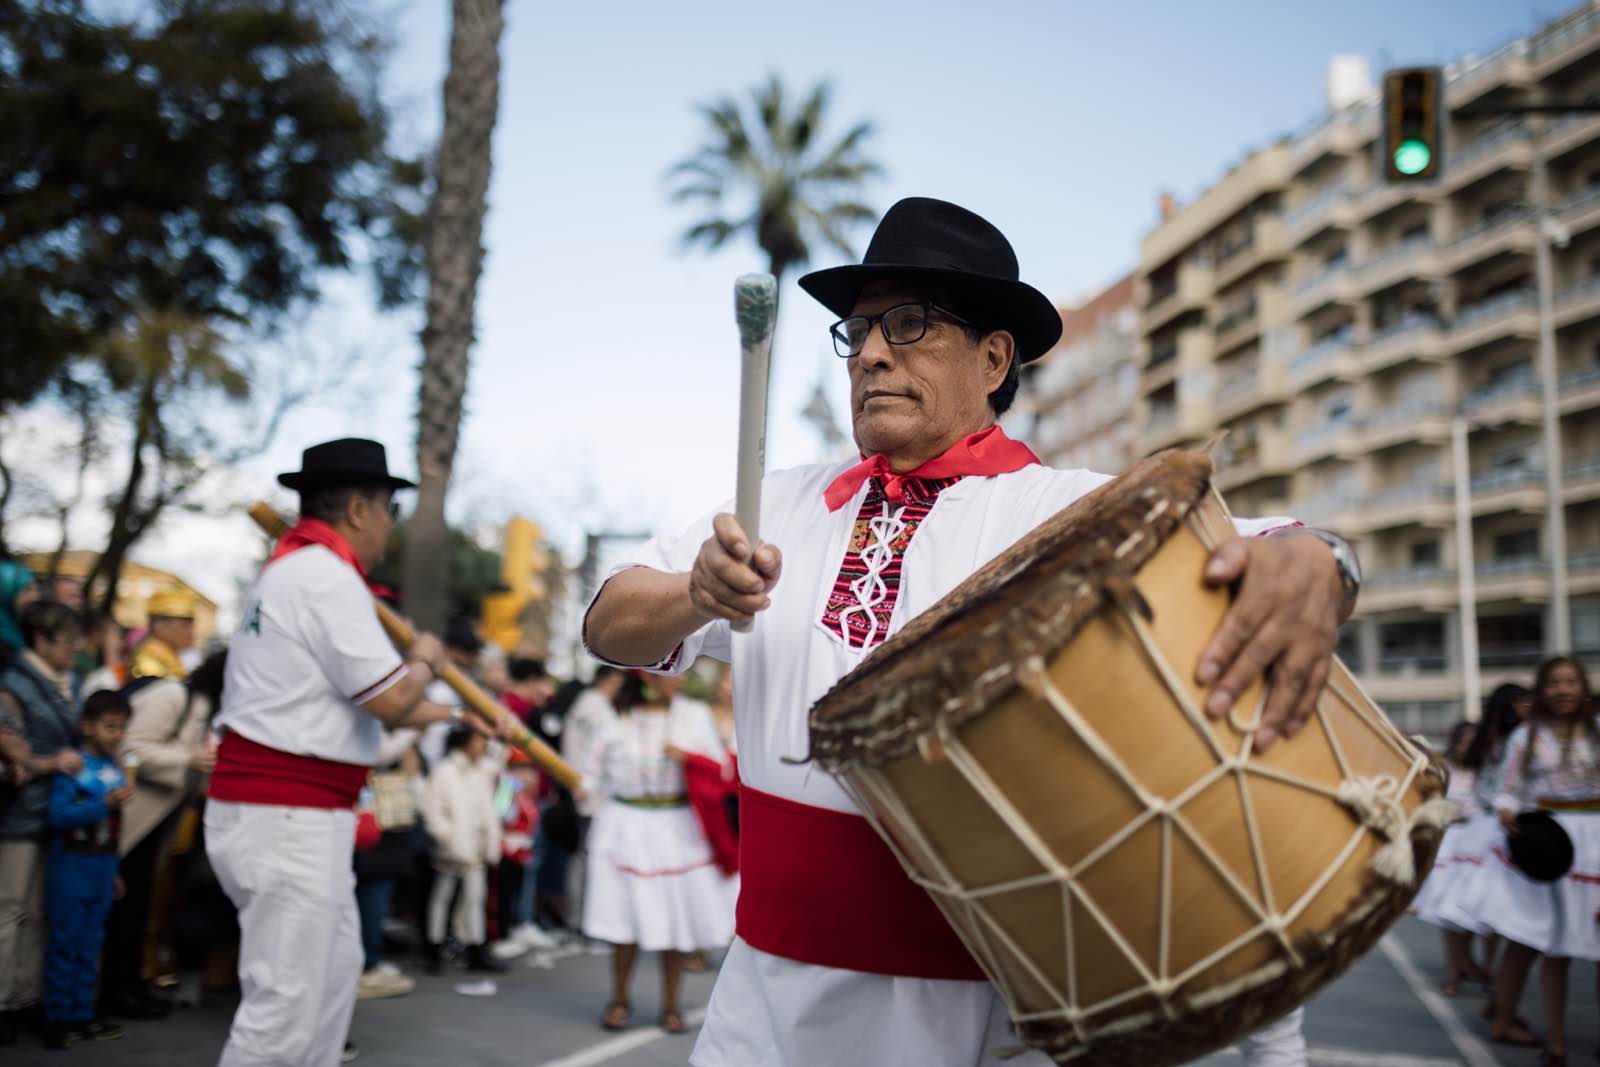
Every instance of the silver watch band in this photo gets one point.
(1344, 558)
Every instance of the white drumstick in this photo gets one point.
(755, 307)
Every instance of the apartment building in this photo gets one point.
(1082, 395)
(1334, 325)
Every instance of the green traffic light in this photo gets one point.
(1412, 156)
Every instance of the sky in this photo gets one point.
(603, 391)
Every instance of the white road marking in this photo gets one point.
(1321, 1056)
(1473, 1051)
(622, 1044)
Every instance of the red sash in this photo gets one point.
(821, 887)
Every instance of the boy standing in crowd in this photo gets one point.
(81, 876)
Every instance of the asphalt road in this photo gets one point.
(1384, 1013)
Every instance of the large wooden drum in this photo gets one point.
(1140, 886)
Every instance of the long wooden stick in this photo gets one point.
(486, 707)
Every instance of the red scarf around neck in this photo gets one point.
(987, 452)
(316, 532)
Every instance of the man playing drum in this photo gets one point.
(839, 957)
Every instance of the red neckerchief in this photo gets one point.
(316, 532)
(987, 452)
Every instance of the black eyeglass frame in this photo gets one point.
(926, 306)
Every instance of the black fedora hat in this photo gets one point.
(1541, 848)
(921, 239)
(347, 461)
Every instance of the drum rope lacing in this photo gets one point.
(1374, 801)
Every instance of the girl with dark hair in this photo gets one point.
(1552, 763)
(1450, 897)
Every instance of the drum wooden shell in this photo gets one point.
(1138, 884)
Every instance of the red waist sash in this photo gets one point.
(821, 887)
(251, 773)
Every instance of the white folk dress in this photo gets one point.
(1561, 918)
(652, 879)
(768, 1011)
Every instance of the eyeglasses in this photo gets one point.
(394, 511)
(903, 324)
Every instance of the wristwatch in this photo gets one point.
(1344, 558)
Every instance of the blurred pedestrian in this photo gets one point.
(159, 655)
(17, 588)
(311, 681)
(101, 660)
(653, 882)
(81, 874)
(391, 799)
(38, 707)
(519, 804)
(1552, 764)
(464, 828)
(462, 646)
(168, 737)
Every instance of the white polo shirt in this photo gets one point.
(308, 653)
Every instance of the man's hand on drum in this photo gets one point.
(725, 581)
(1283, 624)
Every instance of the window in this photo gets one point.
(1424, 555)
(1521, 544)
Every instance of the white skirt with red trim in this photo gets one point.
(1442, 899)
(1560, 918)
(652, 881)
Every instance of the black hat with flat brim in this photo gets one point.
(932, 241)
(1541, 848)
(348, 461)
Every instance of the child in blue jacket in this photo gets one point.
(81, 875)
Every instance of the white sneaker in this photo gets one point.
(389, 968)
(507, 949)
(531, 936)
(191, 988)
(378, 984)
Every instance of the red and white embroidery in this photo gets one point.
(867, 587)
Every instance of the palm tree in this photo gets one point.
(455, 260)
(769, 174)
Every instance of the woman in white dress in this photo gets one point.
(1552, 763)
(653, 883)
(1474, 783)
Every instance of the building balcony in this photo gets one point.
(1194, 288)
(1413, 422)
(1557, 48)
(1510, 315)
(1510, 234)
(1267, 245)
(1428, 588)
(1567, 133)
(1331, 134)
(1266, 455)
(1336, 438)
(1416, 336)
(1578, 391)
(1332, 357)
(1332, 285)
(1339, 513)
(1505, 145)
(1168, 427)
(1580, 480)
(1506, 68)
(1408, 505)
(1579, 302)
(1581, 212)
(1512, 490)
(1416, 258)
(1266, 383)
(1516, 400)
(1332, 207)
(1382, 196)
(1238, 329)
(1520, 578)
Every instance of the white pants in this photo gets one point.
(1279, 1044)
(288, 871)
(468, 920)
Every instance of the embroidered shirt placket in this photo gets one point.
(870, 589)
